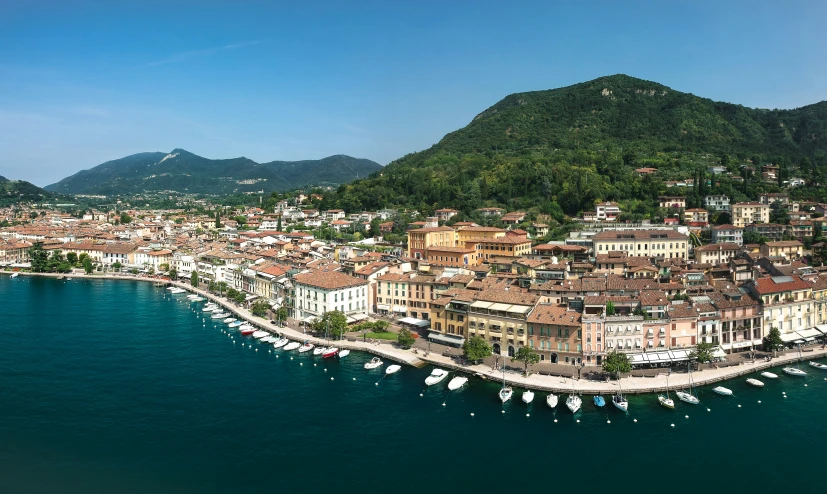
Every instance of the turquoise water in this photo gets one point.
(112, 386)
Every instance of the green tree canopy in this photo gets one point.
(39, 258)
(617, 363)
(702, 352)
(773, 342)
(260, 308)
(406, 338)
(476, 348)
(333, 323)
(527, 356)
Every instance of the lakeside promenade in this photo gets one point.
(538, 382)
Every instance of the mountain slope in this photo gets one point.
(185, 172)
(581, 143)
(14, 191)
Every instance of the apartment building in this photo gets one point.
(420, 239)
(716, 253)
(727, 234)
(554, 332)
(717, 203)
(320, 291)
(650, 243)
(745, 213)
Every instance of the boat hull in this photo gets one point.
(528, 397)
(552, 400)
(722, 391)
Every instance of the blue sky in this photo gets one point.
(85, 82)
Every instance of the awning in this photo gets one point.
(809, 333)
(500, 307)
(383, 307)
(400, 308)
(447, 339)
(789, 337)
(358, 316)
(309, 319)
(718, 353)
(421, 323)
(479, 304)
(250, 297)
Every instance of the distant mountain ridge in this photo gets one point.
(182, 171)
(14, 191)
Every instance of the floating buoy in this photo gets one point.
(578, 421)
(635, 420)
(759, 401)
(420, 394)
(785, 396)
(555, 421)
(472, 414)
(277, 356)
(686, 416)
(608, 421)
(527, 415)
(805, 385)
(739, 406)
(377, 384)
(331, 378)
(354, 378)
(443, 404)
(502, 411)
(325, 370)
(291, 358)
(673, 425)
(314, 365)
(708, 410)
(301, 363)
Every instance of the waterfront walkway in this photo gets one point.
(536, 381)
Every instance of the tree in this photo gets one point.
(773, 341)
(173, 274)
(476, 348)
(194, 278)
(406, 338)
(334, 323)
(617, 363)
(260, 308)
(217, 220)
(702, 352)
(753, 237)
(125, 218)
(778, 213)
(610, 308)
(116, 266)
(72, 257)
(164, 267)
(278, 224)
(39, 258)
(527, 356)
(281, 314)
(87, 265)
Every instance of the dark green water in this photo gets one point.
(120, 387)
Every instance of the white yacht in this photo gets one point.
(528, 396)
(219, 315)
(573, 402)
(306, 347)
(620, 402)
(457, 382)
(280, 342)
(236, 324)
(437, 375)
(292, 346)
(769, 375)
(319, 350)
(505, 393)
(666, 401)
(261, 334)
(229, 320)
(551, 400)
(344, 353)
(794, 371)
(818, 365)
(15, 275)
(687, 397)
(392, 369)
(755, 382)
(374, 363)
(722, 391)
(177, 290)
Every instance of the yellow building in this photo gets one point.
(501, 247)
(745, 213)
(791, 249)
(474, 233)
(420, 239)
(667, 244)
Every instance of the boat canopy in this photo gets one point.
(420, 323)
(447, 339)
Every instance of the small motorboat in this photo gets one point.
(755, 382)
(280, 342)
(236, 324)
(168, 288)
(392, 369)
(551, 400)
(260, 334)
(193, 299)
(292, 346)
(528, 396)
(722, 391)
(619, 401)
(794, 371)
(344, 353)
(330, 352)
(573, 403)
(220, 315)
(457, 382)
(248, 330)
(229, 320)
(506, 393)
(319, 350)
(687, 397)
(306, 347)
(818, 365)
(177, 291)
(599, 401)
(666, 402)
(192, 295)
(437, 375)
(212, 308)
(15, 275)
(769, 375)
(374, 363)
(268, 339)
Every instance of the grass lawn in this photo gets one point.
(388, 335)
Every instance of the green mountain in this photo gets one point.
(185, 172)
(576, 145)
(15, 191)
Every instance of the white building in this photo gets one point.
(320, 291)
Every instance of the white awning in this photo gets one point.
(383, 307)
(480, 304)
(447, 339)
(789, 337)
(310, 319)
(421, 323)
(500, 307)
(359, 316)
(250, 297)
(400, 308)
(809, 333)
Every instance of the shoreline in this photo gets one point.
(535, 382)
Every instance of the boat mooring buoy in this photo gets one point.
(527, 415)
(503, 411)
(739, 406)
(331, 378)
(708, 410)
(578, 421)
(759, 401)
(608, 421)
(301, 363)
(472, 414)
(420, 394)
(805, 385)
(354, 378)
(686, 416)
(443, 404)
(555, 421)
(673, 425)
(635, 421)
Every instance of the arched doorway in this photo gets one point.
(553, 358)
(495, 349)
(510, 351)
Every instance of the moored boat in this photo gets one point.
(268, 339)
(506, 393)
(620, 402)
(219, 315)
(319, 350)
(769, 375)
(177, 291)
(236, 324)
(306, 347)
(437, 375)
(374, 363)
(247, 331)
(280, 342)
(599, 401)
(755, 382)
(344, 353)
(665, 401)
(392, 369)
(794, 371)
(551, 400)
(687, 397)
(457, 382)
(818, 365)
(330, 352)
(722, 391)
(528, 396)
(573, 403)
(260, 334)
(292, 346)
(14, 275)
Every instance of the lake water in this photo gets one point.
(118, 386)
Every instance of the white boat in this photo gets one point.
(319, 350)
(666, 401)
(722, 391)
(506, 393)
(280, 342)
(192, 295)
(260, 334)
(374, 363)
(794, 371)
(292, 346)
(229, 320)
(437, 375)
(551, 400)
(219, 315)
(170, 287)
(268, 339)
(14, 275)
(392, 369)
(528, 396)
(211, 308)
(688, 398)
(755, 382)
(197, 299)
(344, 353)
(306, 347)
(245, 326)
(620, 402)
(457, 382)
(177, 291)
(236, 324)
(769, 375)
(573, 403)
(818, 365)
